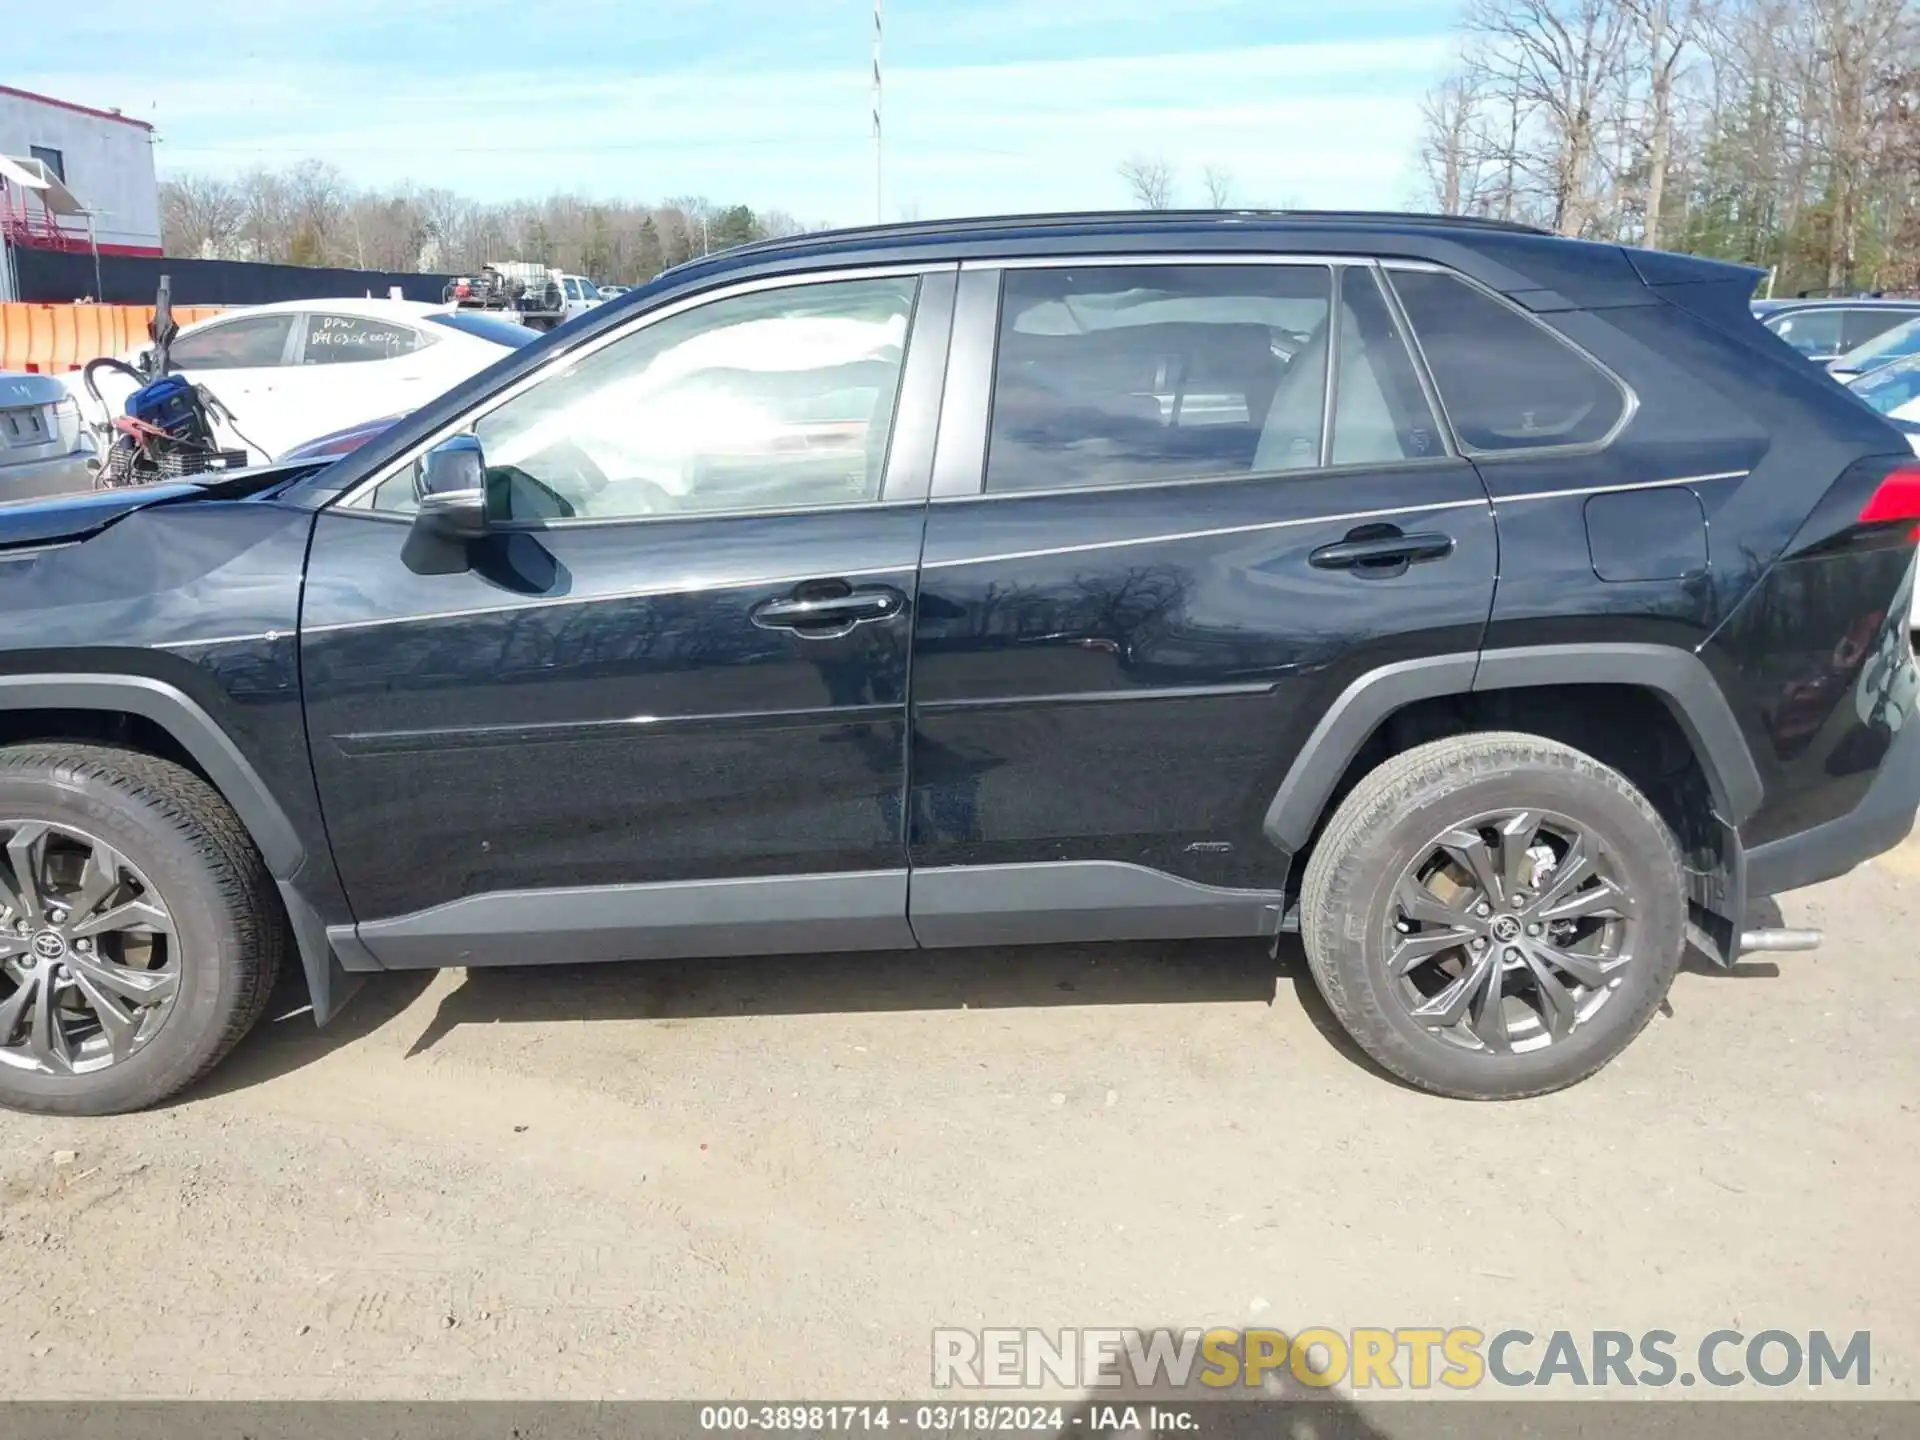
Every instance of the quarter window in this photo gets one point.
(1508, 383)
(782, 399)
(1127, 375)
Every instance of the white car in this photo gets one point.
(290, 370)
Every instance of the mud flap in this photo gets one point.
(329, 984)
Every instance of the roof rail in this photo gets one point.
(1068, 220)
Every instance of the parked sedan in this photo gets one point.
(1886, 347)
(286, 369)
(44, 449)
(1824, 330)
(1894, 390)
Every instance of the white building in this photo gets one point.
(104, 158)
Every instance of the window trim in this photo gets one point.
(1630, 405)
(899, 484)
(966, 417)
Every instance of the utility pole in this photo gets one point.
(879, 211)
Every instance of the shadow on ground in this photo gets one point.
(1144, 973)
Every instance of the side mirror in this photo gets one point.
(453, 489)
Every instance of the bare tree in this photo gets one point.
(1149, 179)
(1559, 60)
(1450, 150)
(1667, 31)
(1219, 182)
(200, 215)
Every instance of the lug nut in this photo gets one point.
(56, 917)
(1513, 954)
(1479, 942)
(1534, 929)
(1484, 910)
(84, 945)
(1520, 900)
(22, 927)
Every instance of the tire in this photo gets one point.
(1354, 916)
(170, 832)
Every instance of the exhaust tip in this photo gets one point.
(1776, 941)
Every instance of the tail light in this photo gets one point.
(1896, 499)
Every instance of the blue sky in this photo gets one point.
(991, 105)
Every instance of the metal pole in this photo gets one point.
(879, 204)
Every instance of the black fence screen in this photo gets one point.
(56, 277)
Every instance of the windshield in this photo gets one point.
(1888, 345)
(1892, 386)
(488, 327)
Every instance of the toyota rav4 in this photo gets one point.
(1500, 612)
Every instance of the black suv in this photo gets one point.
(1500, 612)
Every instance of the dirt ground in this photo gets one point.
(773, 1178)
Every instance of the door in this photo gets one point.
(349, 369)
(243, 362)
(1151, 573)
(661, 708)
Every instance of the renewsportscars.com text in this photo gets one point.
(1408, 1357)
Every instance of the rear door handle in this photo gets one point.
(826, 609)
(1377, 554)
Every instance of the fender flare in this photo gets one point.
(230, 772)
(1678, 677)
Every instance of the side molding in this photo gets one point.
(672, 920)
(1679, 677)
(1079, 900)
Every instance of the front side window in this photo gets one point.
(344, 339)
(1127, 375)
(1507, 383)
(246, 343)
(1811, 332)
(573, 288)
(777, 400)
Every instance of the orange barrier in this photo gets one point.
(52, 338)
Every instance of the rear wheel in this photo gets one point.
(139, 933)
(1494, 915)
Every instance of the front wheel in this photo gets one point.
(139, 932)
(1494, 915)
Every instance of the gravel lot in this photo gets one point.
(775, 1177)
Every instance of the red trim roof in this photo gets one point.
(70, 105)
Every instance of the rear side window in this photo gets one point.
(1127, 375)
(1865, 323)
(1507, 382)
(346, 339)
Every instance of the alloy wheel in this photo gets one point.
(1509, 932)
(89, 964)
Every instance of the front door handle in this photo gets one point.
(1380, 554)
(827, 609)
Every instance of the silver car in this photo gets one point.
(44, 449)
